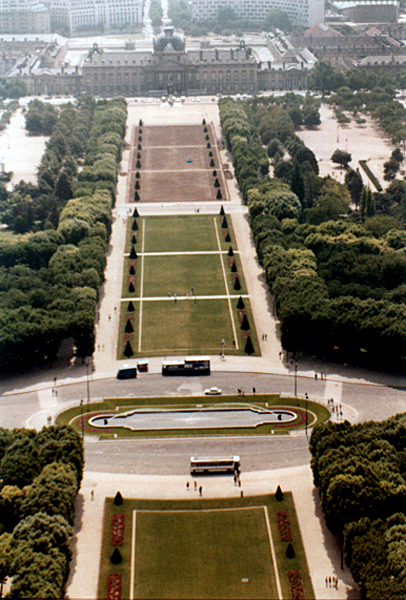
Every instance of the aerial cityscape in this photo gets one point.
(203, 299)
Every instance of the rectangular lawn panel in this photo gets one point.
(185, 326)
(180, 233)
(178, 274)
(178, 186)
(174, 135)
(203, 554)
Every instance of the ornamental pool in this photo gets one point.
(194, 418)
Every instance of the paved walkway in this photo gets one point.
(321, 548)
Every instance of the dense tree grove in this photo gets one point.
(40, 475)
(338, 277)
(49, 277)
(360, 472)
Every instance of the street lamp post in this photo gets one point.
(87, 384)
(306, 414)
(295, 379)
(81, 418)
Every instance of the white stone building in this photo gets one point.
(24, 16)
(82, 16)
(304, 13)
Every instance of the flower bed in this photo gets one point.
(285, 531)
(114, 586)
(296, 584)
(117, 530)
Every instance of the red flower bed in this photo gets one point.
(296, 585)
(117, 530)
(114, 586)
(282, 519)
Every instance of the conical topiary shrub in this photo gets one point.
(219, 195)
(224, 223)
(134, 239)
(128, 351)
(130, 307)
(215, 175)
(290, 551)
(116, 557)
(138, 165)
(208, 145)
(139, 147)
(137, 175)
(240, 303)
(216, 183)
(136, 196)
(134, 226)
(131, 289)
(133, 253)
(230, 251)
(118, 499)
(140, 131)
(245, 326)
(222, 211)
(132, 270)
(227, 238)
(137, 185)
(234, 267)
(237, 284)
(140, 138)
(249, 348)
(204, 122)
(138, 154)
(128, 327)
(279, 494)
(135, 213)
(212, 164)
(210, 154)
(207, 137)
(140, 123)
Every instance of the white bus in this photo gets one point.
(214, 464)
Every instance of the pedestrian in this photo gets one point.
(53, 392)
(56, 392)
(239, 481)
(266, 337)
(306, 396)
(195, 485)
(115, 309)
(326, 581)
(329, 581)
(235, 479)
(315, 376)
(239, 391)
(98, 347)
(92, 495)
(253, 390)
(109, 317)
(187, 486)
(200, 490)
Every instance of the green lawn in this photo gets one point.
(192, 326)
(180, 233)
(203, 554)
(186, 326)
(178, 274)
(203, 548)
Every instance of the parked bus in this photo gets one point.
(214, 464)
(192, 365)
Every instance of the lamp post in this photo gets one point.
(87, 384)
(81, 418)
(306, 415)
(295, 379)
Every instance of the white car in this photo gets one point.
(213, 391)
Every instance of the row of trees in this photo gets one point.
(40, 478)
(360, 473)
(338, 284)
(49, 279)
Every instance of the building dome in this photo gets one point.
(169, 40)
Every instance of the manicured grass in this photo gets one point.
(187, 327)
(180, 273)
(203, 548)
(180, 233)
(203, 554)
(195, 325)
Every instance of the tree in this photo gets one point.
(354, 183)
(324, 78)
(341, 157)
(278, 18)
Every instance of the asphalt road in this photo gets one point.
(171, 456)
